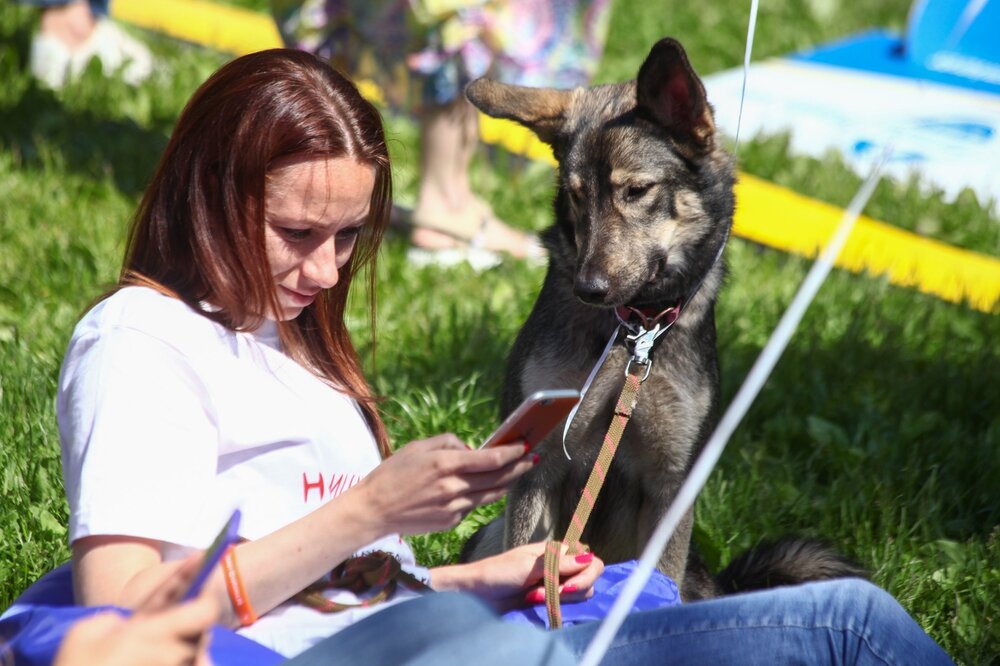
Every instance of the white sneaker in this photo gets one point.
(478, 258)
(52, 62)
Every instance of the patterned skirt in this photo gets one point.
(425, 51)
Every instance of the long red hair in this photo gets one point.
(198, 233)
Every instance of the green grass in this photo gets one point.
(879, 430)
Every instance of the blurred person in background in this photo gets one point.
(421, 54)
(71, 34)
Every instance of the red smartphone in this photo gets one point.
(535, 417)
(228, 536)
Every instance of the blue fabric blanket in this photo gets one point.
(33, 627)
(659, 592)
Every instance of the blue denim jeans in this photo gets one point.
(98, 7)
(438, 630)
(837, 622)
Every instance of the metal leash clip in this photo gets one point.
(642, 333)
(640, 344)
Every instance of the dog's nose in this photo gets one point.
(592, 288)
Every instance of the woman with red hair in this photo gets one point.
(220, 373)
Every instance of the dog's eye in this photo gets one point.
(636, 192)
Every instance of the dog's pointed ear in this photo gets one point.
(668, 92)
(542, 110)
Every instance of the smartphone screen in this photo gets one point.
(535, 417)
(228, 536)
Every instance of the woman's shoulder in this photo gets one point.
(145, 311)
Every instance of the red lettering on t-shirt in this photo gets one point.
(337, 484)
(340, 483)
(307, 486)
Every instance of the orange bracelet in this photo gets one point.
(237, 592)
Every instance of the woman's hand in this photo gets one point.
(514, 578)
(431, 484)
(161, 631)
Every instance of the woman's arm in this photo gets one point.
(124, 571)
(164, 629)
(428, 485)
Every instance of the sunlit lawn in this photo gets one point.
(879, 429)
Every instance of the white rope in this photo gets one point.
(702, 468)
(751, 29)
(586, 387)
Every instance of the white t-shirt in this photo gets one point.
(169, 421)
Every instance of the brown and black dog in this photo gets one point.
(643, 212)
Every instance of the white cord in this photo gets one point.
(586, 387)
(702, 468)
(751, 29)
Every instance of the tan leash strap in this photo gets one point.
(574, 532)
(550, 576)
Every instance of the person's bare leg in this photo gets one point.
(448, 213)
(443, 214)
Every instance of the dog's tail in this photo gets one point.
(786, 561)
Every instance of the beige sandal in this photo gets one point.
(484, 231)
